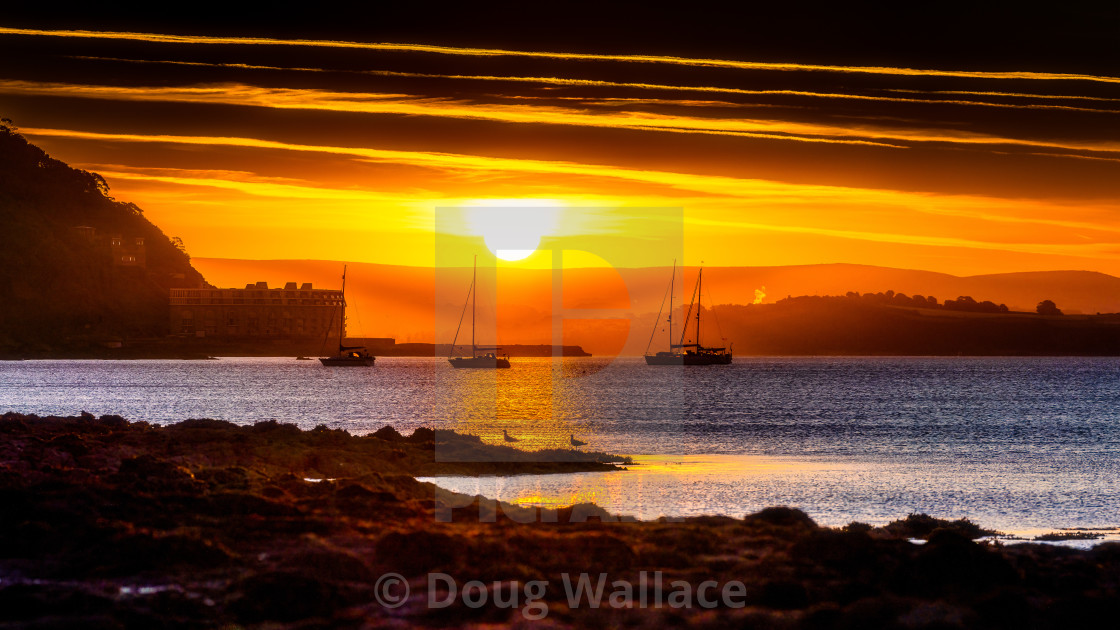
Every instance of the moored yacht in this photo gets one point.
(687, 353)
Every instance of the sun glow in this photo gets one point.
(512, 228)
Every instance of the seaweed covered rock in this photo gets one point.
(211, 524)
(414, 553)
(921, 526)
(781, 516)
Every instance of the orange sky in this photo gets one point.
(259, 148)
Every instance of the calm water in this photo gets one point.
(1013, 443)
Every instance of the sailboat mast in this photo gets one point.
(342, 311)
(474, 302)
(672, 279)
(699, 303)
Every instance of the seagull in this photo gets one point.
(576, 442)
(509, 438)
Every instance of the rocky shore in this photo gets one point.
(108, 523)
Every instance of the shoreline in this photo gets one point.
(102, 514)
(872, 489)
(118, 355)
(557, 489)
(175, 348)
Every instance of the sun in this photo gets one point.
(512, 228)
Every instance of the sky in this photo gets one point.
(966, 140)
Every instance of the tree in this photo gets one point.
(962, 303)
(1047, 307)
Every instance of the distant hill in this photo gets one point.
(1073, 291)
(813, 325)
(73, 270)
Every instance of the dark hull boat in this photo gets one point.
(709, 356)
(489, 360)
(348, 356)
(687, 353)
(484, 361)
(359, 358)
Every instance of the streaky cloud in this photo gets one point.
(402, 104)
(755, 190)
(377, 103)
(261, 187)
(708, 89)
(1024, 95)
(496, 52)
(1100, 250)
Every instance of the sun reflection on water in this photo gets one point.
(538, 404)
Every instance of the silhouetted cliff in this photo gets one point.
(77, 267)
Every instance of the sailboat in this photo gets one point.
(347, 356)
(687, 353)
(488, 359)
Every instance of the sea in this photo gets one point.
(1021, 445)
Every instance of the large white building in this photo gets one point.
(256, 311)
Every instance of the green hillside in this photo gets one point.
(63, 284)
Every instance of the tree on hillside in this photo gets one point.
(177, 243)
(1047, 307)
(962, 303)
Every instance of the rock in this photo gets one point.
(224, 504)
(113, 422)
(130, 554)
(388, 434)
(423, 435)
(283, 596)
(29, 601)
(784, 595)
(951, 563)
(230, 478)
(922, 525)
(328, 565)
(149, 467)
(781, 516)
(70, 443)
(417, 552)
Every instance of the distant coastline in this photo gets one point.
(842, 326)
(800, 326)
(200, 348)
